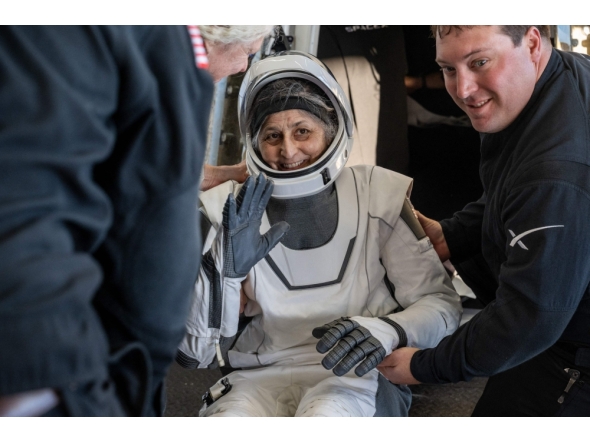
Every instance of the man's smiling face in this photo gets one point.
(486, 75)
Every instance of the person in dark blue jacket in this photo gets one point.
(531, 105)
(102, 138)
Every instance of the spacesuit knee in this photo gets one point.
(237, 396)
(331, 407)
(237, 405)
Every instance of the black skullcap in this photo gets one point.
(280, 104)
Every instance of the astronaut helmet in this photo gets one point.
(295, 80)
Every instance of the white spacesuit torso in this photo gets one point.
(291, 292)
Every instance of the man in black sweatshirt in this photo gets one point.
(531, 104)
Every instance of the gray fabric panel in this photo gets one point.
(284, 280)
(408, 217)
(214, 278)
(313, 219)
(185, 360)
(392, 399)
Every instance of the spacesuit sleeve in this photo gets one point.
(213, 317)
(431, 309)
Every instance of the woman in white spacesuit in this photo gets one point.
(355, 270)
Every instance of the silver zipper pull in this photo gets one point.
(574, 375)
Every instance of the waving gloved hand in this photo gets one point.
(244, 245)
(356, 340)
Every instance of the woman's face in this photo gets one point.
(291, 140)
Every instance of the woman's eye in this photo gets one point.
(480, 63)
(303, 131)
(447, 70)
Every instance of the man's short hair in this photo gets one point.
(515, 32)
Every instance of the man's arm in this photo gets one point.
(541, 283)
(216, 175)
(462, 232)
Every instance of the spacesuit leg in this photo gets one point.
(340, 396)
(269, 391)
(392, 399)
(253, 393)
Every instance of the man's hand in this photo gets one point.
(215, 175)
(434, 231)
(396, 366)
(350, 342)
(242, 217)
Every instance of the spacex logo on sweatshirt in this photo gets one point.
(517, 239)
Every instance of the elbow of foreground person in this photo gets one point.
(521, 345)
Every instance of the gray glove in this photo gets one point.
(244, 245)
(352, 343)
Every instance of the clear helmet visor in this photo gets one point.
(324, 171)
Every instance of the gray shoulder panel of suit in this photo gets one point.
(411, 221)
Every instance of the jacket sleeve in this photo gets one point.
(423, 289)
(542, 280)
(52, 213)
(463, 231)
(214, 314)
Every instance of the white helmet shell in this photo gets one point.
(316, 177)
